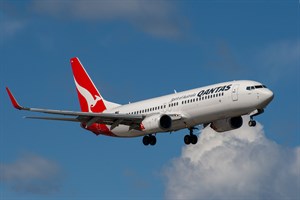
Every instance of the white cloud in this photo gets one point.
(158, 18)
(239, 164)
(31, 174)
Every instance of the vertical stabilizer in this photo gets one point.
(89, 97)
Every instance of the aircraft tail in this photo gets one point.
(89, 97)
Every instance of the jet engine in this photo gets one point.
(227, 124)
(157, 122)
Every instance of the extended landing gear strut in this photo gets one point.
(149, 139)
(191, 138)
(252, 122)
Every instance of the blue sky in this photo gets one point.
(133, 50)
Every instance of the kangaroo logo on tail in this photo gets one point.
(89, 97)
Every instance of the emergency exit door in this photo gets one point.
(235, 92)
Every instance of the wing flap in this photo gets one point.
(55, 118)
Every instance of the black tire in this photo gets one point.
(146, 140)
(152, 140)
(194, 139)
(187, 139)
(252, 123)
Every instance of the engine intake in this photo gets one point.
(165, 122)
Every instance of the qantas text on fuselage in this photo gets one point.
(219, 106)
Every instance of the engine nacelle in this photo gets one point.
(157, 122)
(227, 124)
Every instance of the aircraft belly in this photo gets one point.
(123, 131)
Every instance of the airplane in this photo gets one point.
(220, 106)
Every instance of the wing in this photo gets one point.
(87, 118)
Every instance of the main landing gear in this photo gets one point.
(252, 122)
(191, 138)
(149, 139)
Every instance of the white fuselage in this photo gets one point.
(198, 106)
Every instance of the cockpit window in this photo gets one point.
(255, 87)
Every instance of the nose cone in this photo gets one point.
(266, 97)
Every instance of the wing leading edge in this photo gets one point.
(86, 118)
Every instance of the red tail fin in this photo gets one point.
(89, 97)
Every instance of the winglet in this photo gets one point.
(13, 100)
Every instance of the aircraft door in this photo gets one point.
(169, 107)
(235, 92)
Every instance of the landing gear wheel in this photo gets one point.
(149, 139)
(252, 123)
(191, 138)
(187, 139)
(146, 140)
(152, 140)
(194, 139)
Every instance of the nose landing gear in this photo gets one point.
(252, 122)
(191, 138)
